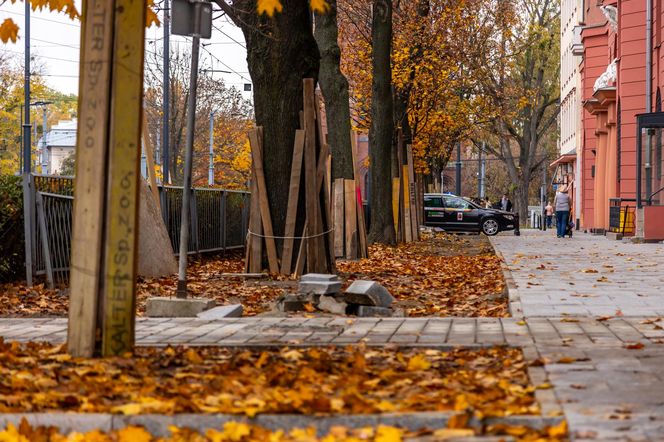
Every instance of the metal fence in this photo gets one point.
(219, 221)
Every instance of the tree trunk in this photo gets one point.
(521, 199)
(382, 126)
(281, 51)
(335, 92)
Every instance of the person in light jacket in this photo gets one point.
(562, 204)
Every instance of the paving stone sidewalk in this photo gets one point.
(585, 275)
(610, 385)
(590, 325)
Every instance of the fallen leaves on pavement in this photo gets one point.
(427, 280)
(442, 275)
(38, 377)
(243, 432)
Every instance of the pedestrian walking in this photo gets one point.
(562, 206)
(548, 211)
(505, 203)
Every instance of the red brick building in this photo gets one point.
(619, 52)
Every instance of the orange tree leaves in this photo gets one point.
(486, 382)
(9, 29)
(430, 64)
(443, 275)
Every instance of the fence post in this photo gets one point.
(224, 197)
(41, 215)
(194, 220)
(27, 227)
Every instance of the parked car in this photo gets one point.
(457, 214)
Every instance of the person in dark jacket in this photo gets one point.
(505, 204)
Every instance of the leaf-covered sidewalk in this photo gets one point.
(442, 275)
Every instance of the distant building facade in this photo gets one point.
(58, 144)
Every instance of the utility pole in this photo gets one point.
(27, 151)
(27, 154)
(543, 193)
(458, 169)
(157, 156)
(211, 170)
(167, 92)
(197, 25)
(479, 172)
(43, 146)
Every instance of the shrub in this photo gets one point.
(12, 251)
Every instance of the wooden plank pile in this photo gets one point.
(309, 246)
(350, 239)
(406, 198)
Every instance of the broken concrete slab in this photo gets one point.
(176, 307)
(296, 302)
(320, 287)
(331, 305)
(221, 312)
(320, 277)
(371, 293)
(370, 311)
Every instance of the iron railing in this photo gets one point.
(219, 222)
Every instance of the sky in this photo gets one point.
(55, 43)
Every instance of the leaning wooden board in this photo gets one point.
(256, 140)
(412, 194)
(312, 202)
(121, 251)
(293, 198)
(89, 195)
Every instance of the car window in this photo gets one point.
(433, 202)
(457, 203)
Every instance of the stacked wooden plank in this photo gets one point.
(350, 240)
(309, 245)
(406, 197)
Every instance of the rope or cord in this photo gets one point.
(249, 232)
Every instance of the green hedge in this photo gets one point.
(12, 251)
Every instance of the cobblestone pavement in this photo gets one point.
(585, 275)
(602, 339)
(591, 328)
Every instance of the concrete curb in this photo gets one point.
(158, 424)
(512, 291)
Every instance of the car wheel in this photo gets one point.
(490, 227)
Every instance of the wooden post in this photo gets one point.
(254, 241)
(408, 230)
(147, 145)
(256, 141)
(351, 219)
(124, 160)
(106, 203)
(310, 160)
(412, 194)
(293, 197)
(339, 218)
(361, 224)
(395, 205)
(89, 202)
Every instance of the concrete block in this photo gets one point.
(320, 287)
(331, 305)
(370, 311)
(368, 293)
(318, 277)
(176, 307)
(615, 236)
(221, 312)
(295, 302)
